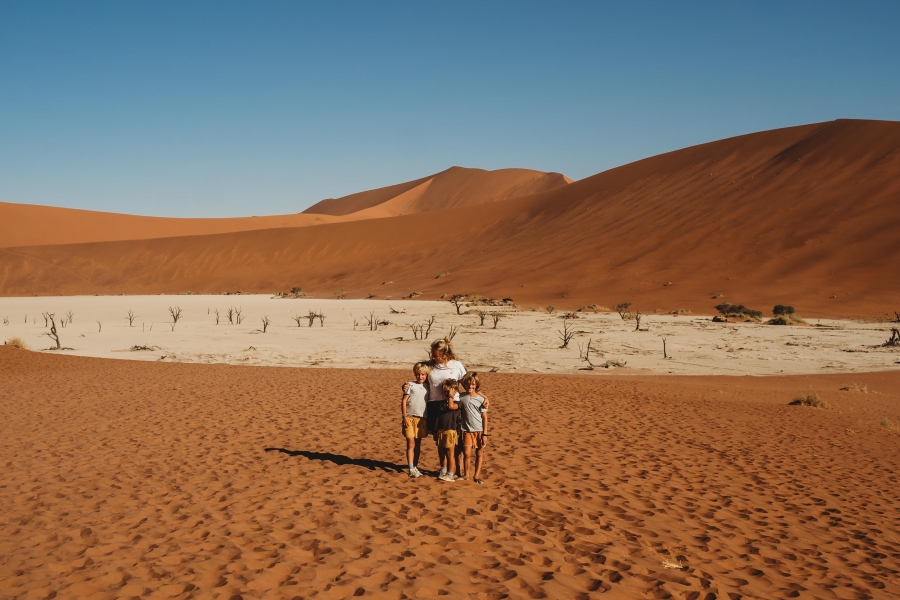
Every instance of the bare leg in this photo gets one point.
(451, 460)
(479, 461)
(417, 451)
(411, 450)
(468, 453)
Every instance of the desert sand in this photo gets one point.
(28, 225)
(127, 479)
(525, 341)
(805, 216)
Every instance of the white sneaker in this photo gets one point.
(415, 472)
(447, 477)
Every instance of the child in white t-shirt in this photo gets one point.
(412, 410)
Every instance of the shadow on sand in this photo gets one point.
(340, 459)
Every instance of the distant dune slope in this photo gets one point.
(29, 225)
(457, 186)
(805, 216)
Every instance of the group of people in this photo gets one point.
(445, 401)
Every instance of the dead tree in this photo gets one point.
(321, 317)
(372, 321)
(481, 316)
(664, 349)
(52, 334)
(238, 317)
(897, 316)
(496, 318)
(637, 317)
(584, 353)
(454, 329)
(130, 316)
(297, 319)
(428, 326)
(622, 309)
(311, 318)
(174, 312)
(265, 322)
(458, 300)
(895, 339)
(99, 327)
(45, 319)
(394, 311)
(6, 320)
(566, 334)
(69, 315)
(415, 329)
(550, 308)
(230, 315)
(217, 316)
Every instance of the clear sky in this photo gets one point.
(227, 109)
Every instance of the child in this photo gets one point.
(412, 409)
(446, 424)
(474, 427)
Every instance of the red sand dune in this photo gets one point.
(29, 225)
(137, 479)
(806, 216)
(451, 188)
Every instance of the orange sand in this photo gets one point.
(126, 479)
(805, 216)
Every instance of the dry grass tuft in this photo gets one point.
(672, 564)
(16, 342)
(885, 422)
(856, 387)
(786, 320)
(809, 400)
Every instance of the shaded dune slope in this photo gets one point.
(30, 225)
(805, 215)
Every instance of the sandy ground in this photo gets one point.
(524, 340)
(130, 479)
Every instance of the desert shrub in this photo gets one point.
(886, 423)
(809, 400)
(16, 342)
(786, 319)
(738, 310)
(782, 309)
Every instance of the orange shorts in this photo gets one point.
(473, 439)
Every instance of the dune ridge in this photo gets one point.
(804, 215)
(31, 225)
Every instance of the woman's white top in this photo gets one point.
(441, 373)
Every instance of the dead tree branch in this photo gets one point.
(321, 317)
(265, 323)
(175, 313)
(130, 316)
(458, 300)
(429, 324)
(566, 334)
(238, 317)
(481, 316)
(454, 329)
(230, 315)
(52, 334)
(622, 309)
(496, 318)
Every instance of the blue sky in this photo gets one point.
(227, 109)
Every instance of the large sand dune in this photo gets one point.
(31, 225)
(124, 479)
(805, 215)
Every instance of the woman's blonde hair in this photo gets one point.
(442, 351)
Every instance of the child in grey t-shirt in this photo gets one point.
(412, 411)
(474, 426)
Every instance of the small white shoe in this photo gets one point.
(447, 477)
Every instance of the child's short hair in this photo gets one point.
(469, 378)
(450, 386)
(421, 367)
